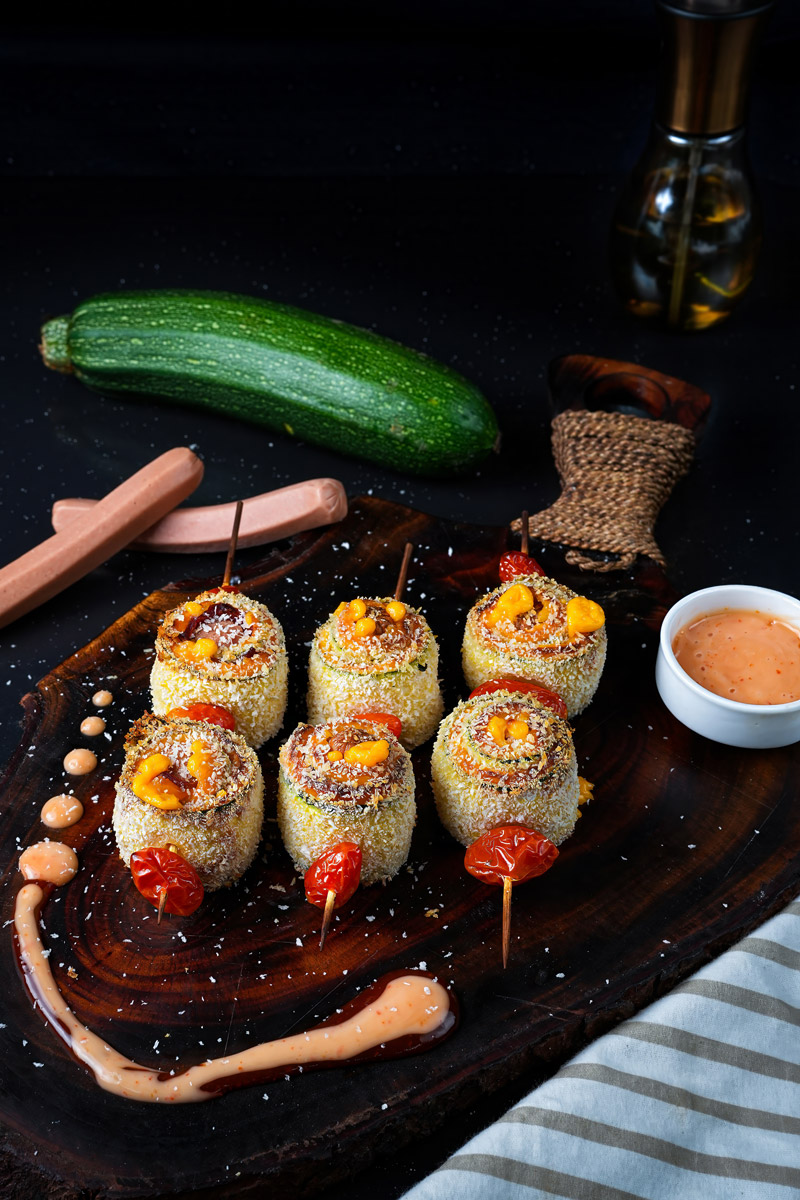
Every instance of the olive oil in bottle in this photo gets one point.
(687, 230)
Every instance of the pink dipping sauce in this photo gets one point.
(59, 812)
(751, 657)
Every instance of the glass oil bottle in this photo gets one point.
(687, 228)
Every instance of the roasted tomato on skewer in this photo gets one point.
(167, 880)
(515, 564)
(507, 855)
(212, 714)
(512, 683)
(332, 879)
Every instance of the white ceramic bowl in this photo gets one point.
(757, 726)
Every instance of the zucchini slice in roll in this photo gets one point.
(540, 630)
(505, 759)
(223, 648)
(347, 780)
(193, 786)
(377, 655)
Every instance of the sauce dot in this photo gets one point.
(60, 811)
(49, 862)
(92, 726)
(80, 762)
(102, 699)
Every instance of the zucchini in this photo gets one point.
(281, 367)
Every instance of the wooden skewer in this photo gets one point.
(524, 531)
(330, 900)
(401, 578)
(506, 917)
(237, 516)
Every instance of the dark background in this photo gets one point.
(444, 174)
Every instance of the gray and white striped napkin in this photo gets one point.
(697, 1096)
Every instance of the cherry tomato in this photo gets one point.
(509, 851)
(392, 723)
(158, 869)
(212, 714)
(514, 564)
(337, 870)
(511, 683)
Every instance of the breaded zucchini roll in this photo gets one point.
(347, 780)
(505, 759)
(537, 629)
(377, 655)
(223, 648)
(193, 786)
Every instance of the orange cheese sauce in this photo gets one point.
(751, 657)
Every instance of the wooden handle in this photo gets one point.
(581, 381)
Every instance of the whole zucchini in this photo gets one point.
(282, 367)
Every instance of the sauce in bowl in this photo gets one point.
(748, 656)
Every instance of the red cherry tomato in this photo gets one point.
(337, 870)
(511, 683)
(212, 714)
(515, 563)
(158, 869)
(510, 851)
(392, 723)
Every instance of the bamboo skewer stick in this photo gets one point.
(524, 531)
(506, 918)
(330, 900)
(401, 578)
(237, 517)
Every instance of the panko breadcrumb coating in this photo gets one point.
(377, 656)
(324, 799)
(223, 648)
(534, 644)
(505, 759)
(217, 776)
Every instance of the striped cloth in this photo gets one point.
(698, 1096)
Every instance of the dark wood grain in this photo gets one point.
(686, 846)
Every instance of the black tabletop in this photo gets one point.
(448, 183)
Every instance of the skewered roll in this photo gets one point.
(223, 648)
(505, 759)
(194, 786)
(347, 780)
(537, 629)
(377, 655)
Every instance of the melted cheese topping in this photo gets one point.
(326, 763)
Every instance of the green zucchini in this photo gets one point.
(281, 367)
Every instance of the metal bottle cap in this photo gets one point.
(707, 58)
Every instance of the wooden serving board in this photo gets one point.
(686, 846)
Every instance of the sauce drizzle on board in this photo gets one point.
(748, 656)
(92, 726)
(400, 1014)
(50, 862)
(59, 812)
(80, 762)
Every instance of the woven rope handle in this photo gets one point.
(616, 473)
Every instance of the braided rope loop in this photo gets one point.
(616, 473)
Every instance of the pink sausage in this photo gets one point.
(265, 518)
(111, 524)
